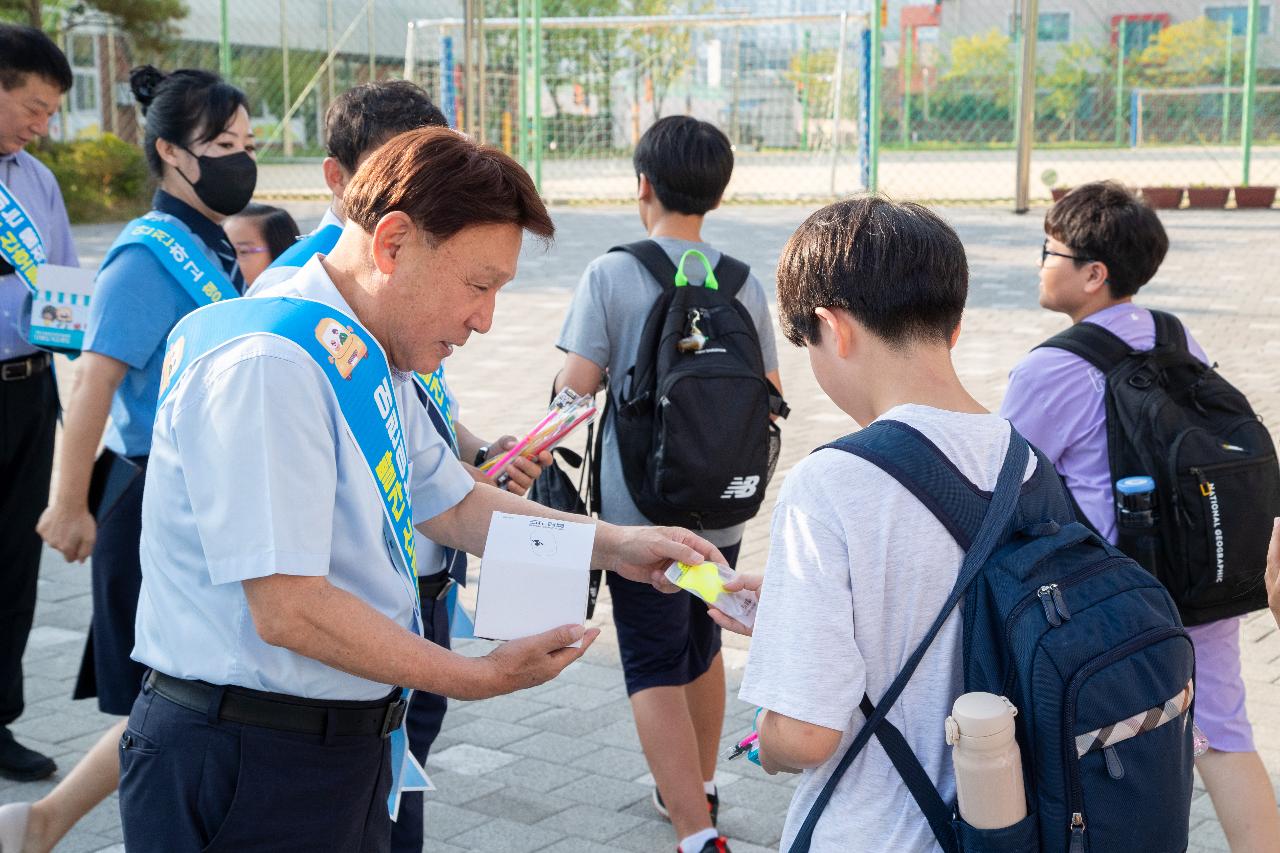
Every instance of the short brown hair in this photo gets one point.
(1105, 221)
(445, 182)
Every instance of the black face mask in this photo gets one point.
(226, 183)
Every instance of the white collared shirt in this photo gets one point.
(252, 474)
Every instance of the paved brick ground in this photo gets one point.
(559, 768)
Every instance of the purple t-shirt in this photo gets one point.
(1055, 399)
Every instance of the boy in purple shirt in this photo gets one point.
(1102, 244)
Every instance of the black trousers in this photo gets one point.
(426, 715)
(28, 416)
(189, 781)
(107, 671)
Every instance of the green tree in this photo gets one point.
(1080, 68)
(981, 64)
(1192, 53)
(148, 23)
(662, 54)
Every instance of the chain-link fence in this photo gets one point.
(817, 101)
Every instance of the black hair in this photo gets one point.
(279, 231)
(898, 269)
(687, 161)
(365, 117)
(186, 107)
(1104, 221)
(27, 50)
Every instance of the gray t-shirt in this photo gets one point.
(605, 320)
(858, 570)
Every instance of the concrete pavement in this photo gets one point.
(559, 768)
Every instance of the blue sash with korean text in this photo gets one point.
(20, 243)
(358, 372)
(180, 254)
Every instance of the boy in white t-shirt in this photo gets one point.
(858, 568)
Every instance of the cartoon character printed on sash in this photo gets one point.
(347, 349)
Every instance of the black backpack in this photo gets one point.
(692, 416)
(1174, 419)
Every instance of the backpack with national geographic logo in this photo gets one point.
(692, 417)
(1173, 418)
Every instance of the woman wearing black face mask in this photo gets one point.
(200, 149)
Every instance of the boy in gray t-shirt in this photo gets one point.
(669, 646)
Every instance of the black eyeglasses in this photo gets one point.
(1045, 253)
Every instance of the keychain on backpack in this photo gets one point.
(695, 340)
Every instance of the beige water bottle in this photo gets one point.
(987, 761)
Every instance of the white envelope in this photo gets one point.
(533, 576)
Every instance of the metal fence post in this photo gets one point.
(373, 61)
(873, 152)
(522, 80)
(837, 111)
(804, 93)
(224, 42)
(1119, 98)
(1226, 92)
(1250, 80)
(1027, 105)
(906, 86)
(287, 96)
(538, 144)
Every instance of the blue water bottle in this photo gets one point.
(1136, 517)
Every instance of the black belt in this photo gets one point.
(17, 369)
(434, 587)
(283, 713)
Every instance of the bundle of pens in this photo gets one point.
(567, 412)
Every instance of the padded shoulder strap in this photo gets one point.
(1169, 331)
(731, 273)
(653, 258)
(905, 454)
(1093, 343)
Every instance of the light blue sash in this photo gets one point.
(180, 254)
(20, 242)
(360, 377)
(322, 240)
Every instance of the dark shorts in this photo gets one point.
(189, 784)
(107, 670)
(666, 640)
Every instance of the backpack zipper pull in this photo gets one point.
(1114, 768)
(1077, 833)
(1045, 594)
(1059, 602)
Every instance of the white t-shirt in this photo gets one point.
(858, 570)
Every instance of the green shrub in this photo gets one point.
(102, 180)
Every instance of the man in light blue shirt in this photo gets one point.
(276, 625)
(33, 76)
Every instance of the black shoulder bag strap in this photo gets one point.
(995, 521)
(1170, 331)
(1093, 343)
(653, 258)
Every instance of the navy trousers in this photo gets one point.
(426, 714)
(190, 782)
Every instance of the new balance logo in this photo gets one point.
(741, 488)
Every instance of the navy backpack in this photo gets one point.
(1085, 643)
